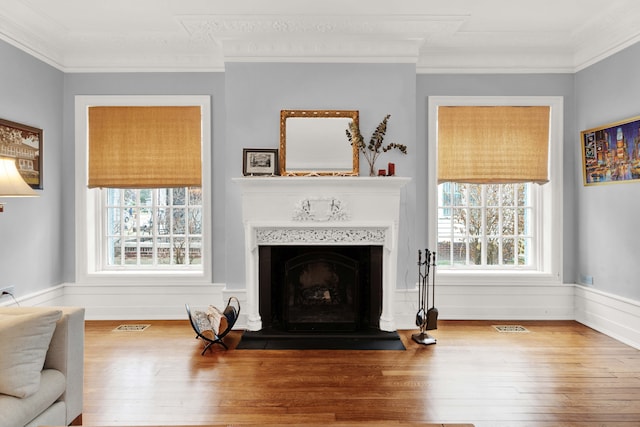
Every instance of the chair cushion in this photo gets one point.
(24, 341)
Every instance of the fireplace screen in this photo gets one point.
(320, 288)
(321, 292)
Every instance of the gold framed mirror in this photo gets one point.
(314, 142)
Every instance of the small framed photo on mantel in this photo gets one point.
(259, 162)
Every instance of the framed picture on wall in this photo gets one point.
(611, 153)
(259, 161)
(24, 144)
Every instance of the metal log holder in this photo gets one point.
(424, 269)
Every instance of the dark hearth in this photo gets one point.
(320, 288)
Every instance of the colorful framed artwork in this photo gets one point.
(259, 161)
(611, 153)
(24, 144)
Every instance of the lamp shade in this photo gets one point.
(11, 183)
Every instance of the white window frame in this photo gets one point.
(89, 218)
(549, 197)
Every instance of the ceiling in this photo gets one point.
(452, 36)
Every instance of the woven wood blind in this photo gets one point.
(486, 144)
(145, 147)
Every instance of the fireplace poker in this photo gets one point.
(432, 313)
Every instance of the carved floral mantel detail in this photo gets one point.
(320, 235)
(320, 209)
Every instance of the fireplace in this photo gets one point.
(308, 215)
(320, 288)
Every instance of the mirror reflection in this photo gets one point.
(314, 142)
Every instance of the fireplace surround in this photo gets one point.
(321, 212)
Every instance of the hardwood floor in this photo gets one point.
(557, 374)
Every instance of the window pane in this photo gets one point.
(508, 255)
(113, 196)
(179, 197)
(145, 197)
(492, 222)
(508, 194)
(178, 221)
(195, 250)
(475, 252)
(164, 250)
(475, 195)
(493, 251)
(460, 194)
(523, 195)
(524, 249)
(493, 194)
(130, 197)
(195, 196)
(195, 221)
(524, 221)
(113, 221)
(162, 220)
(179, 246)
(508, 221)
(474, 224)
(164, 196)
(114, 251)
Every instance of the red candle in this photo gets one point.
(382, 172)
(392, 169)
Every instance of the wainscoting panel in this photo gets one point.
(143, 301)
(490, 302)
(612, 315)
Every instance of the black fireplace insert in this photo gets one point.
(320, 288)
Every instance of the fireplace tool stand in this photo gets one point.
(422, 316)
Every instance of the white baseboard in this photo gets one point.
(612, 315)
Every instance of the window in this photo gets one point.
(161, 233)
(151, 228)
(505, 229)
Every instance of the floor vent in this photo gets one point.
(510, 328)
(131, 328)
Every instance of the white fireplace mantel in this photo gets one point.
(321, 211)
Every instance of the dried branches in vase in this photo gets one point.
(374, 148)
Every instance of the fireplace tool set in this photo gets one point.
(426, 318)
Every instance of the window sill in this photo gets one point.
(497, 278)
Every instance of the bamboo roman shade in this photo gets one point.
(493, 144)
(145, 147)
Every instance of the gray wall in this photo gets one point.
(507, 85)
(599, 233)
(31, 229)
(256, 93)
(606, 216)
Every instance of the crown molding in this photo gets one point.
(297, 38)
(204, 43)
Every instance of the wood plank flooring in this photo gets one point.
(557, 374)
